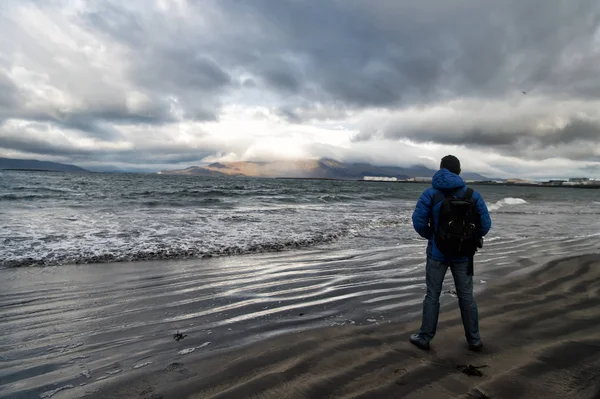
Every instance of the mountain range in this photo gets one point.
(32, 164)
(310, 169)
(324, 168)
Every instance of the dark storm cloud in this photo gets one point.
(389, 53)
(188, 70)
(503, 137)
(39, 144)
(92, 127)
(104, 123)
(100, 122)
(475, 137)
(575, 130)
(282, 80)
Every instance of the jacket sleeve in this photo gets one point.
(484, 214)
(422, 215)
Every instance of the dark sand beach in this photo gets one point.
(541, 334)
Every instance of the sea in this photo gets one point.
(99, 271)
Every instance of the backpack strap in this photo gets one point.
(442, 195)
(468, 194)
(437, 198)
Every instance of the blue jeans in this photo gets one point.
(435, 273)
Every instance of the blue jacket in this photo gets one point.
(425, 211)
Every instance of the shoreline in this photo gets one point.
(540, 332)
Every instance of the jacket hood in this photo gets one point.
(446, 180)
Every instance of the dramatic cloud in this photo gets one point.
(145, 84)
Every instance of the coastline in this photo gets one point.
(540, 331)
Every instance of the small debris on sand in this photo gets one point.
(178, 336)
(174, 366)
(471, 370)
(477, 394)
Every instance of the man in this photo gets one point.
(447, 184)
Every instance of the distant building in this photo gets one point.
(420, 179)
(555, 182)
(380, 178)
(579, 180)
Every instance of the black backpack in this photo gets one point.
(458, 228)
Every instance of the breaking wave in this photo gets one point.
(506, 201)
(104, 247)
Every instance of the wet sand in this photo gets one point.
(541, 333)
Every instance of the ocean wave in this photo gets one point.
(335, 198)
(108, 250)
(180, 204)
(209, 193)
(507, 201)
(40, 189)
(27, 197)
(170, 253)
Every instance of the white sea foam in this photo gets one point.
(49, 394)
(506, 201)
(140, 365)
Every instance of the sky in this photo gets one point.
(511, 87)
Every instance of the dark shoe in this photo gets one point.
(476, 347)
(419, 342)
